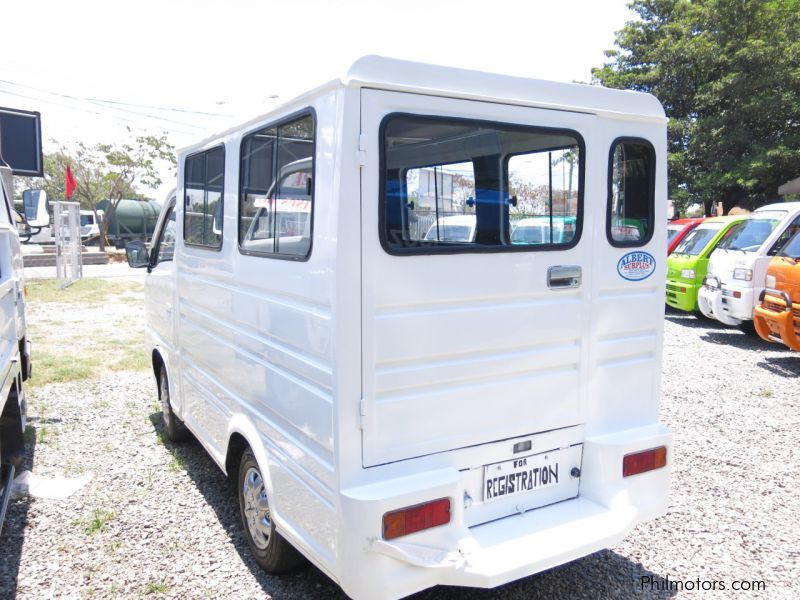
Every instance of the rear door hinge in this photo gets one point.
(362, 151)
(362, 412)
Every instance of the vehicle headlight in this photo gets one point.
(687, 273)
(771, 281)
(743, 274)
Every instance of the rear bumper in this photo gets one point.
(775, 318)
(506, 549)
(682, 295)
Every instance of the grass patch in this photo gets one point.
(766, 393)
(134, 360)
(156, 587)
(177, 463)
(58, 368)
(91, 291)
(96, 522)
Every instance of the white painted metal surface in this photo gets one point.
(69, 251)
(731, 299)
(367, 382)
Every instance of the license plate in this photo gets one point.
(521, 475)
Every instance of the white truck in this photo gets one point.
(403, 411)
(737, 269)
(15, 363)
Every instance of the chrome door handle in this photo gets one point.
(564, 277)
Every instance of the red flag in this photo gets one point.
(71, 185)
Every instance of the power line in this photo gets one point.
(105, 101)
(90, 111)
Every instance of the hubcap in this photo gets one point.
(256, 508)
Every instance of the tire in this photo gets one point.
(174, 429)
(748, 327)
(270, 549)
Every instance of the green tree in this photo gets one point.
(105, 172)
(728, 75)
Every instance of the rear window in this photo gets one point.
(631, 192)
(456, 185)
(697, 239)
(748, 235)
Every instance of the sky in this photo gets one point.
(192, 67)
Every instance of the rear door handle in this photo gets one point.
(564, 277)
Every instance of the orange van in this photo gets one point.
(777, 317)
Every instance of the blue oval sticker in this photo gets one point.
(635, 266)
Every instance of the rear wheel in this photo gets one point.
(174, 429)
(270, 549)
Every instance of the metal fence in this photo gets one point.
(69, 250)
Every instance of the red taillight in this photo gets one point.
(416, 518)
(641, 462)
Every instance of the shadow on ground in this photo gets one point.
(785, 366)
(605, 574)
(220, 494)
(691, 320)
(12, 537)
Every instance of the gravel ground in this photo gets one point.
(161, 520)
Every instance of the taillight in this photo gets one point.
(416, 518)
(641, 462)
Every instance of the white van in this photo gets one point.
(737, 269)
(407, 412)
(15, 347)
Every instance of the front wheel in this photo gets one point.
(174, 429)
(270, 549)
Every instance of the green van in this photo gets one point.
(688, 263)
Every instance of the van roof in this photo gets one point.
(790, 206)
(726, 219)
(400, 75)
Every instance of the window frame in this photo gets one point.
(295, 116)
(651, 201)
(216, 248)
(154, 262)
(426, 248)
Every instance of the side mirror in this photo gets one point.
(34, 203)
(137, 254)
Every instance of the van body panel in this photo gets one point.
(448, 358)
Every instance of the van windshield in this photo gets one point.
(697, 239)
(748, 235)
(672, 231)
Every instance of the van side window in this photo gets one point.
(203, 204)
(276, 190)
(457, 185)
(631, 192)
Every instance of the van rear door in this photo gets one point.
(468, 343)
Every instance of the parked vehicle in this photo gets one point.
(460, 228)
(738, 267)
(777, 316)
(132, 220)
(678, 229)
(407, 412)
(90, 225)
(537, 230)
(15, 363)
(688, 263)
